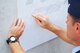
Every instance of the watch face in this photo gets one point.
(12, 38)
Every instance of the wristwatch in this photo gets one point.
(12, 39)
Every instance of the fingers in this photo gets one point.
(38, 22)
(22, 26)
(16, 22)
(19, 21)
(41, 18)
(17, 27)
(22, 23)
(21, 30)
(38, 17)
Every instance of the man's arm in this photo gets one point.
(16, 48)
(16, 30)
(60, 32)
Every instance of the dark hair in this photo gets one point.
(75, 19)
(74, 10)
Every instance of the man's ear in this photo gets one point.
(77, 27)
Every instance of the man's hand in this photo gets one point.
(42, 21)
(17, 28)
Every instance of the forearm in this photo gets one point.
(15, 32)
(16, 48)
(60, 32)
(57, 30)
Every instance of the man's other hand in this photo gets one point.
(17, 28)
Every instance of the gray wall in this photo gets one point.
(8, 11)
(53, 46)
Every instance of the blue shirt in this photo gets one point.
(76, 50)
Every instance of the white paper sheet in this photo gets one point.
(34, 35)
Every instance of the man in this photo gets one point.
(15, 32)
(72, 34)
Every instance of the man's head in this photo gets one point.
(73, 28)
(73, 20)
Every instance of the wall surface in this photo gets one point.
(53, 46)
(7, 12)
(34, 35)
